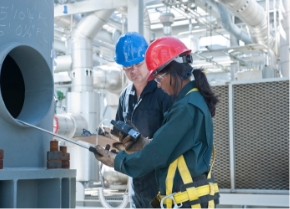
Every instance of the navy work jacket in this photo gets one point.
(146, 113)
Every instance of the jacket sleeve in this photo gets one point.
(174, 138)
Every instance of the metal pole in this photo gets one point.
(51, 133)
(268, 31)
(231, 135)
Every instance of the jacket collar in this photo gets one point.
(186, 89)
(150, 87)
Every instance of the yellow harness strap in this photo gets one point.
(211, 202)
(186, 178)
(191, 193)
(169, 182)
(194, 89)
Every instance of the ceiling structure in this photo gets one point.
(199, 23)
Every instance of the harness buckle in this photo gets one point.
(170, 196)
(211, 189)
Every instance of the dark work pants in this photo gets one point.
(142, 190)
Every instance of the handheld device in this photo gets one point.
(125, 129)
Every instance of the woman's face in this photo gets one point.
(163, 82)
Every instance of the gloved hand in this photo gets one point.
(106, 157)
(118, 146)
(126, 143)
(107, 133)
(129, 145)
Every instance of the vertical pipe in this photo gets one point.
(275, 15)
(268, 31)
(284, 11)
(231, 135)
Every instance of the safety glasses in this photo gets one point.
(159, 78)
(131, 66)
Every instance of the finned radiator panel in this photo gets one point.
(221, 167)
(261, 133)
(260, 136)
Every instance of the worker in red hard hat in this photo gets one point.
(181, 152)
(141, 103)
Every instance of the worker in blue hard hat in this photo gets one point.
(141, 103)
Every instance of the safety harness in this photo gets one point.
(196, 192)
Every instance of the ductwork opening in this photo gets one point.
(12, 87)
(26, 85)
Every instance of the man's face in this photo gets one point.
(137, 73)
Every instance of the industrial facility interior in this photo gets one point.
(58, 74)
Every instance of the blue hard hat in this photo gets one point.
(130, 49)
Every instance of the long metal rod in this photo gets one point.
(51, 133)
(231, 137)
(268, 32)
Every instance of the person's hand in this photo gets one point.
(133, 146)
(108, 134)
(105, 156)
(118, 146)
(126, 140)
(127, 143)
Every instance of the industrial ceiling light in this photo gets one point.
(62, 1)
(166, 19)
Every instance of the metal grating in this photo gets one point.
(261, 134)
(221, 168)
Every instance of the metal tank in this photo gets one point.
(26, 83)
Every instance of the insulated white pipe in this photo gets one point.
(67, 21)
(231, 27)
(63, 21)
(98, 42)
(254, 16)
(69, 125)
(146, 25)
(90, 25)
(109, 77)
(59, 46)
(82, 39)
(63, 63)
(284, 41)
(107, 205)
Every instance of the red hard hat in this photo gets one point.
(161, 52)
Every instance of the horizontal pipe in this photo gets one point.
(63, 63)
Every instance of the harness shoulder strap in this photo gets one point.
(169, 181)
(186, 178)
(194, 89)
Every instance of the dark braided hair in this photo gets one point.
(180, 71)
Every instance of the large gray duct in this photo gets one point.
(284, 39)
(26, 84)
(254, 16)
